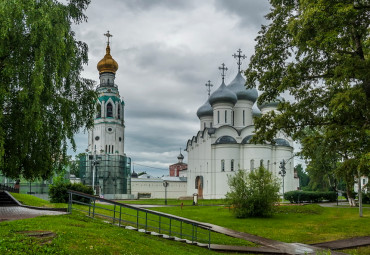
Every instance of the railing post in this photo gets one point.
(90, 207)
(120, 214)
(181, 229)
(114, 214)
(159, 230)
(70, 203)
(192, 233)
(146, 221)
(196, 233)
(94, 208)
(170, 229)
(137, 219)
(209, 238)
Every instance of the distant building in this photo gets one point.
(179, 169)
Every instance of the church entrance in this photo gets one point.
(199, 186)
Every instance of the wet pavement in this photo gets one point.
(19, 212)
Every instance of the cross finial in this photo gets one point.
(108, 35)
(224, 69)
(239, 56)
(209, 85)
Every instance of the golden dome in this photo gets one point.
(107, 64)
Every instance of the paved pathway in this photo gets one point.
(18, 212)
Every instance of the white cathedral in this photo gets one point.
(223, 142)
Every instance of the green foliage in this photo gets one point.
(303, 177)
(319, 52)
(253, 194)
(58, 192)
(43, 99)
(310, 196)
(366, 198)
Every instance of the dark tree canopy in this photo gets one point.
(318, 51)
(43, 99)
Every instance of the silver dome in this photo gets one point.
(238, 87)
(223, 95)
(256, 112)
(205, 110)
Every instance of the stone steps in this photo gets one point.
(6, 200)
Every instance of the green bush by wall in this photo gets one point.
(310, 196)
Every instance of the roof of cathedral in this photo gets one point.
(226, 139)
(107, 64)
(256, 112)
(205, 110)
(223, 95)
(238, 87)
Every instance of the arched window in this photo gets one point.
(119, 111)
(252, 164)
(225, 116)
(223, 165)
(109, 110)
(261, 162)
(268, 164)
(232, 165)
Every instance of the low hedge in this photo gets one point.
(58, 192)
(310, 196)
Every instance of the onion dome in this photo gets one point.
(107, 64)
(134, 175)
(223, 95)
(180, 156)
(205, 110)
(273, 103)
(238, 87)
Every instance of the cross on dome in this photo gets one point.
(239, 56)
(224, 69)
(209, 85)
(108, 35)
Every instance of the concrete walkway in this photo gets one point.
(19, 212)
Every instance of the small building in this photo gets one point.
(179, 169)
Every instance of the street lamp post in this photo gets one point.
(165, 185)
(282, 172)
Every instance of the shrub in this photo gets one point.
(366, 198)
(253, 194)
(310, 196)
(58, 192)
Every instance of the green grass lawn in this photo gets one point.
(173, 202)
(305, 224)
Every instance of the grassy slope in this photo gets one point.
(35, 201)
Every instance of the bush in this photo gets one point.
(253, 194)
(310, 196)
(366, 198)
(58, 192)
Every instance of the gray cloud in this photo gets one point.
(250, 12)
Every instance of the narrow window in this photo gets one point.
(211, 125)
(243, 117)
(232, 165)
(106, 148)
(363, 181)
(119, 111)
(225, 116)
(233, 118)
(112, 149)
(223, 165)
(268, 164)
(252, 164)
(109, 149)
(261, 162)
(218, 116)
(204, 125)
(109, 110)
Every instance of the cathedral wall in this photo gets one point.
(243, 107)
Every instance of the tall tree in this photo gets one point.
(43, 99)
(318, 51)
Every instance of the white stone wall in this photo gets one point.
(155, 187)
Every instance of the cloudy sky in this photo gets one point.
(167, 50)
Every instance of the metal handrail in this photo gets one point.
(8, 188)
(161, 225)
